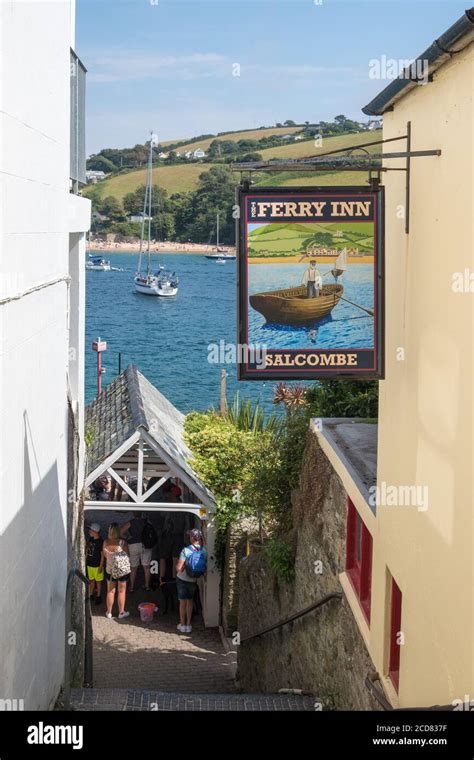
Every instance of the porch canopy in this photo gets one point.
(137, 434)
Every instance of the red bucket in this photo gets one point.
(146, 610)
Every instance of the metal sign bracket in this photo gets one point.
(370, 162)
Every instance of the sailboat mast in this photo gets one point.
(150, 182)
(217, 241)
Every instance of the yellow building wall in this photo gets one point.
(425, 415)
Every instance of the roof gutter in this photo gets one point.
(435, 56)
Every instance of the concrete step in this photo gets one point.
(160, 701)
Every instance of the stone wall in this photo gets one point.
(238, 535)
(323, 652)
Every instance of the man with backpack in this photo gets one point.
(142, 537)
(191, 565)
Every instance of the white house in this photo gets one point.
(93, 176)
(198, 153)
(43, 222)
(163, 155)
(138, 218)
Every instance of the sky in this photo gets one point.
(182, 68)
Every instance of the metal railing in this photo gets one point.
(88, 665)
(77, 172)
(296, 616)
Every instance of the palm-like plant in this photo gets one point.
(289, 395)
(251, 417)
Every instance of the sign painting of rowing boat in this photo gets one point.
(311, 282)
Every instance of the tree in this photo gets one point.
(214, 195)
(289, 123)
(112, 208)
(319, 238)
(100, 164)
(250, 157)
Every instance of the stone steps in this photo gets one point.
(141, 700)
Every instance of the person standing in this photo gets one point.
(117, 570)
(191, 565)
(313, 280)
(139, 553)
(94, 562)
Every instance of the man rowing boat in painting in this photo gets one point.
(313, 280)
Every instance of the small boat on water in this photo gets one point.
(290, 306)
(161, 283)
(97, 264)
(220, 253)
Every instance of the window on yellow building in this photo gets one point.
(395, 634)
(359, 557)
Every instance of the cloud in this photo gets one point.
(120, 67)
(114, 67)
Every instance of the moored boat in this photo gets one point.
(97, 264)
(161, 283)
(220, 253)
(291, 306)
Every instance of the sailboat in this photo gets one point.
(221, 253)
(340, 265)
(161, 283)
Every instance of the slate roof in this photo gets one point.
(131, 402)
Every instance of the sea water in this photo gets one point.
(168, 338)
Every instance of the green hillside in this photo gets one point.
(290, 239)
(184, 177)
(178, 178)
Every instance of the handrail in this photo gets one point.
(383, 701)
(291, 618)
(76, 573)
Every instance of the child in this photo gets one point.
(95, 561)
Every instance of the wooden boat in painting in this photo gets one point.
(291, 306)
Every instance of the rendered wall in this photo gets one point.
(37, 215)
(425, 414)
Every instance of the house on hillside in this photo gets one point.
(139, 218)
(195, 154)
(42, 312)
(93, 176)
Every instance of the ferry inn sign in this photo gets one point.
(311, 282)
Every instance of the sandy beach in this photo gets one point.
(165, 247)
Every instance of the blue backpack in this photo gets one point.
(196, 562)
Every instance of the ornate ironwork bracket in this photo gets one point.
(370, 162)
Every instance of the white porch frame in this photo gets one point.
(160, 463)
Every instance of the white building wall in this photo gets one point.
(40, 307)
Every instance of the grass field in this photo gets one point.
(286, 239)
(251, 134)
(184, 177)
(174, 179)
